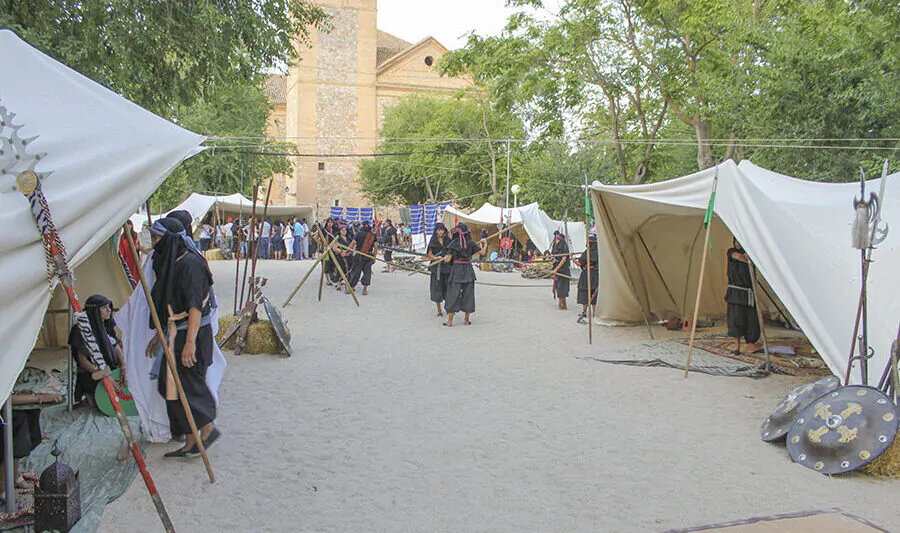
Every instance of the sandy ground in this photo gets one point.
(386, 421)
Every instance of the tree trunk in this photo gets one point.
(704, 150)
(487, 135)
(640, 173)
(620, 153)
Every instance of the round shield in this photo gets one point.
(843, 430)
(279, 324)
(779, 422)
(506, 243)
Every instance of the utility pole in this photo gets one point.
(506, 204)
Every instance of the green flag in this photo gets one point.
(587, 205)
(709, 209)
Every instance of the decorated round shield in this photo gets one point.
(843, 430)
(126, 400)
(279, 324)
(779, 422)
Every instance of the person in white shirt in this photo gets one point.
(289, 238)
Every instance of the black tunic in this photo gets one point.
(583, 279)
(440, 273)
(191, 291)
(461, 288)
(741, 312)
(560, 283)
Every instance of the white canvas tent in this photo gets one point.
(533, 224)
(797, 233)
(99, 156)
(198, 205)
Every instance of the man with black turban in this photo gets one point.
(461, 285)
(561, 269)
(584, 298)
(183, 298)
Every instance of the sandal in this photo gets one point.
(448, 324)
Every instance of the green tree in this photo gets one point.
(440, 148)
(164, 54)
(240, 112)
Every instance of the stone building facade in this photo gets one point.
(331, 103)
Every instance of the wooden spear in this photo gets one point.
(708, 219)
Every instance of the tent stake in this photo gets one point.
(170, 358)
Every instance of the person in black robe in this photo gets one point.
(343, 255)
(363, 243)
(461, 285)
(389, 239)
(183, 287)
(99, 311)
(440, 273)
(743, 321)
(327, 234)
(560, 251)
(583, 297)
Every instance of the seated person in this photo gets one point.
(99, 312)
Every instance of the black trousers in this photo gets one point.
(388, 255)
(361, 271)
(743, 322)
(438, 286)
(583, 287)
(193, 381)
(26, 429)
(562, 287)
(460, 297)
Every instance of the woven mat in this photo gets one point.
(673, 354)
(24, 516)
(806, 363)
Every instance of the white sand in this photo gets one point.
(386, 421)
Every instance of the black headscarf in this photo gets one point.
(186, 220)
(102, 330)
(173, 244)
(434, 235)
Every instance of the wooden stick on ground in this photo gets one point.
(170, 360)
(302, 281)
(343, 274)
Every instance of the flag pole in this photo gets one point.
(587, 235)
(707, 221)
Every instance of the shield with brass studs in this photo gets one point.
(843, 430)
(776, 425)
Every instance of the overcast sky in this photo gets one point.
(448, 22)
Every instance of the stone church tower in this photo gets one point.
(331, 102)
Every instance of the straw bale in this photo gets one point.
(261, 337)
(214, 254)
(888, 463)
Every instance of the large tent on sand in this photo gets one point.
(796, 232)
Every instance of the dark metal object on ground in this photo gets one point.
(57, 498)
(843, 430)
(779, 422)
(279, 324)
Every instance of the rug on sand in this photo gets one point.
(804, 363)
(673, 354)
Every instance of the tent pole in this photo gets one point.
(251, 244)
(658, 272)
(8, 460)
(590, 306)
(759, 317)
(70, 384)
(634, 291)
(687, 366)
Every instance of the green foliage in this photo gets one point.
(164, 53)
(440, 148)
(649, 78)
(236, 111)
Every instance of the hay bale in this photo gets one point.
(214, 254)
(261, 337)
(887, 464)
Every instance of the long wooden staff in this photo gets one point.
(170, 360)
(590, 310)
(251, 242)
(259, 240)
(687, 365)
(57, 266)
(759, 317)
(302, 281)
